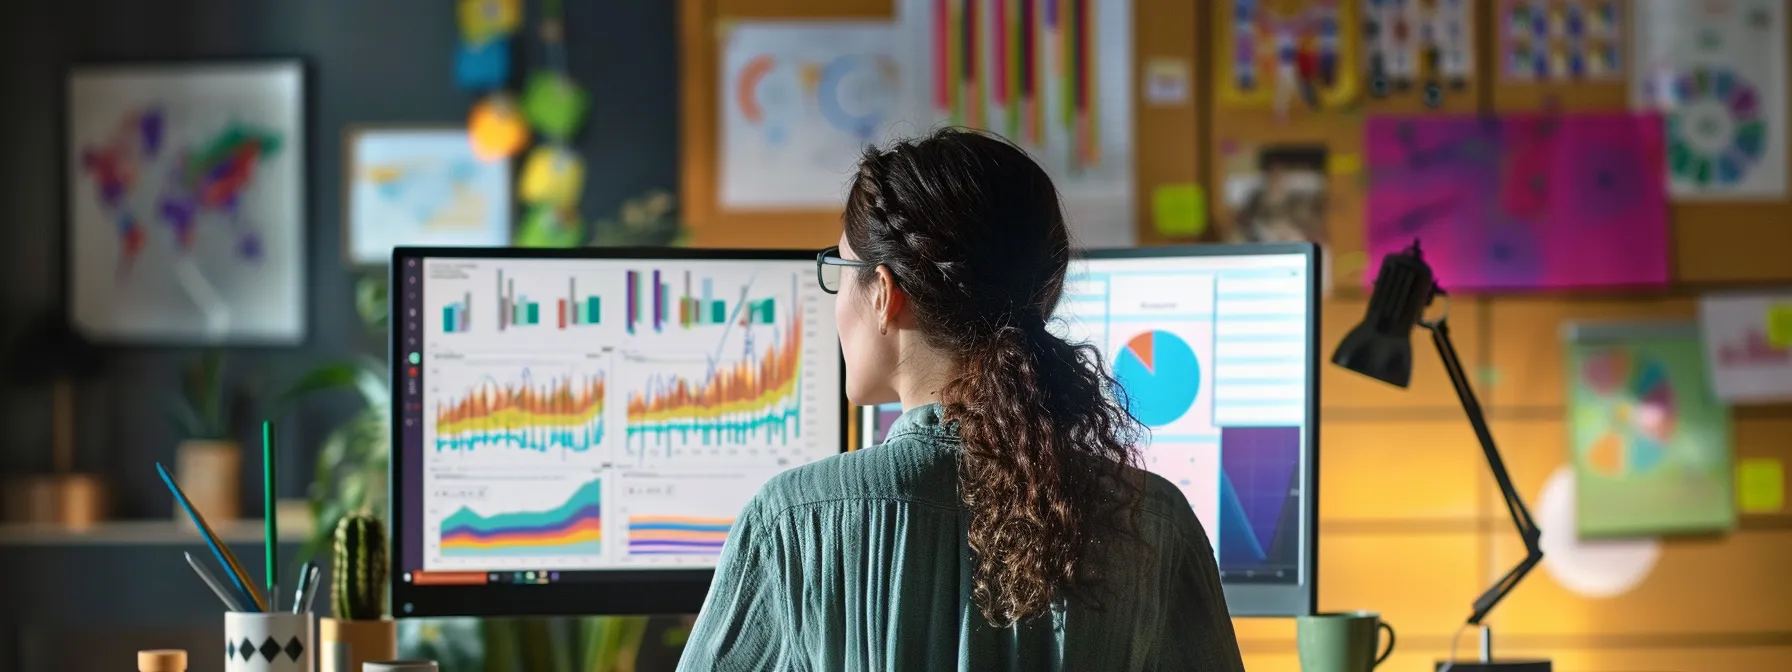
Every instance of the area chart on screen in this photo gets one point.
(572, 531)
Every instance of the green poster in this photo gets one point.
(1649, 441)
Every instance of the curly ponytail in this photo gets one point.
(971, 229)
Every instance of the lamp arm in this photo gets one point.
(1521, 515)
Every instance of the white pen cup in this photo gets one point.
(268, 642)
(400, 666)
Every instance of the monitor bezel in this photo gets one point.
(1269, 600)
(630, 592)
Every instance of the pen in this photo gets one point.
(298, 594)
(270, 517)
(230, 601)
(311, 594)
(232, 568)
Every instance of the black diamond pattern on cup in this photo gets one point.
(245, 648)
(229, 649)
(294, 649)
(269, 649)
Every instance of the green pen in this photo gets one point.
(270, 516)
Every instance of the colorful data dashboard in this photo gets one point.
(1214, 355)
(583, 415)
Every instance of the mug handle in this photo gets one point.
(1383, 625)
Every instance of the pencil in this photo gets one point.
(270, 514)
(232, 568)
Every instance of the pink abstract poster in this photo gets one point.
(1521, 202)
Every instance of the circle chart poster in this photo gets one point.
(799, 102)
(1717, 72)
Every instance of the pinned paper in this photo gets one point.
(1760, 485)
(1166, 81)
(482, 66)
(552, 176)
(1747, 366)
(1179, 209)
(483, 20)
(497, 129)
(1779, 325)
(554, 104)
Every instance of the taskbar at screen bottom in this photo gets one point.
(435, 593)
(532, 577)
(1262, 575)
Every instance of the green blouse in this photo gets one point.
(860, 562)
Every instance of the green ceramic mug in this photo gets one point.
(1341, 642)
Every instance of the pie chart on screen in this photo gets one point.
(1160, 374)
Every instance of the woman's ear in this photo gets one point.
(887, 300)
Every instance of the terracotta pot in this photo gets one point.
(211, 473)
(343, 646)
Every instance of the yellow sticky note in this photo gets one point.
(1760, 485)
(1179, 209)
(1343, 163)
(1779, 325)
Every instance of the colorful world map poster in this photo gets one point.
(1717, 73)
(423, 187)
(186, 203)
(1648, 438)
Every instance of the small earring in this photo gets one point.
(883, 330)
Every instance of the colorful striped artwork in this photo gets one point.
(1018, 67)
(1052, 76)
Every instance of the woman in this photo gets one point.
(1002, 525)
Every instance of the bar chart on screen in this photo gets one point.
(572, 307)
(659, 300)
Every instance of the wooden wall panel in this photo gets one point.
(1343, 391)
(1700, 584)
(1421, 582)
(1527, 348)
(1399, 471)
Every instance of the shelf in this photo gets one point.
(146, 533)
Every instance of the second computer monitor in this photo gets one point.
(1216, 349)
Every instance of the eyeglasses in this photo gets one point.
(828, 265)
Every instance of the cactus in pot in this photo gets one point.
(360, 630)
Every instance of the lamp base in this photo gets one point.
(1508, 665)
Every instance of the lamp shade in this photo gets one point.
(1381, 347)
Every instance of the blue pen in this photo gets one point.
(234, 570)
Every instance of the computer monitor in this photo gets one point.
(577, 429)
(1217, 349)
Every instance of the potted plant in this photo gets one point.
(359, 631)
(208, 462)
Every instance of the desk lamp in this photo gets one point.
(1381, 348)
